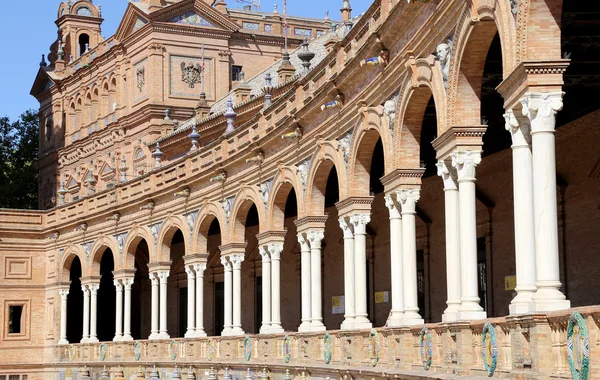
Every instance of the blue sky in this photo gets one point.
(28, 31)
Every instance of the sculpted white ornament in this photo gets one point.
(444, 53)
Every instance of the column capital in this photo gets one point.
(236, 261)
(118, 284)
(154, 278)
(63, 293)
(448, 174)
(392, 205)
(303, 241)
(263, 250)
(86, 290)
(226, 263)
(128, 282)
(93, 288)
(199, 268)
(189, 270)
(360, 221)
(408, 199)
(315, 237)
(541, 109)
(346, 227)
(465, 162)
(275, 250)
(163, 275)
(519, 128)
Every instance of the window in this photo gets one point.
(84, 42)
(15, 312)
(235, 73)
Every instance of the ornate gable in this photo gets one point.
(72, 185)
(106, 172)
(133, 20)
(195, 13)
(191, 18)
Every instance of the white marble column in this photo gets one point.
(154, 309)
(408, 201)
(266, 290)
(349, 310)
(228, 324)
(452, 223)
(465, 163)
(396, 262)
(541, 109)
(162, 276)
(64, 293)
(199, 269)
(361, 316)
(93, 312)
(305, 282)
(315, 238)
(523, 213)
(191, 299)
(236, 261)
(127, 284)
(119, 311)
(275, 253)
(86, 314)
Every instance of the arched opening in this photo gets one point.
(84, 43)
(251, 282)
(107, 298)
(214, 305)
(141, 301)
(177, 288)
(332, 250)
(74, 302)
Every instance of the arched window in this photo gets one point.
(84, 41)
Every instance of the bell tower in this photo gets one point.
(79, 28)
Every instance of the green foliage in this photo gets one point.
(19, 144)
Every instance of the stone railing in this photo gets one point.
(524, 347)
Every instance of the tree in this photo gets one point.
(19, 145)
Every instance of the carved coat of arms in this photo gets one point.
(140, 73)
(191, 73)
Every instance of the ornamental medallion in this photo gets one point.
(374, 347)
(191, 74)
(327, 348)
(426, 348)
(102, 352)
(578, 347)
(490, 348)
(286, 349)
(137, 350)
(247, 348)
(173, 349)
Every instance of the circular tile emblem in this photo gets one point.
(374, 347)
(102, 352)
(490, 348)
(173, 349)
(137, 350)
(210, 349)
(286, 349)
(247, 348)
(327, 348)
(578, 347)
(426, 348)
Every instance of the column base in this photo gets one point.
(451, 312)
(549, 298)
(163, 335)
(411, 318)
(315, 326)
(117, 338)
(190, 334)
(450, 317)
(236, 331)
(200, 333)
(62, 342)
(153, 336)
(226, 331)
(304, 326)
(93, 340)
(265, 329)
(276, 328)
(347, 324)
(362, 323)
(471, 315)
(84, 340)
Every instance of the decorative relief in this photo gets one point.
(327, 348)
(190, 219)
(140, 74)
(87, 247)
(247, 348)
(210, 350)
(137, 351)
(173, 349)
(302, 32)
(191, 73)
(374, 347)
(191, 18)
(227, 204)
(389, 110)
(490, 348)
(303, 169)
(514, 6)
(250, 26)
(264, 189)
(154, 230)
(286, 349)
(344, 145)
(578, 347)
(120, 239)
(102, 350)
(444, 54)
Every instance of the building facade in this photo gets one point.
(411, 193)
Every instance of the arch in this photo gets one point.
(407, 145)
(360, 161)
(283, 183)
(132, 241)
(322, 163)
(98, 249)
(69, 254)
(543, 20)
(244, 200)
(469, 55)
(168, 230)
(207, 214)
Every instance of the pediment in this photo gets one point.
(106, 172)
(72, 185)
(194, 13)
(133, 20)
(42, 82)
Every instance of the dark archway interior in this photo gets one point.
(106, 298)
(496, 137)
(84, 40)
(177, 289)
(291, 205)
(141, 294)
(428, 134)
(580, 40)
(332, 190)
(217, 319)
(377, 229)
(75, 303)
